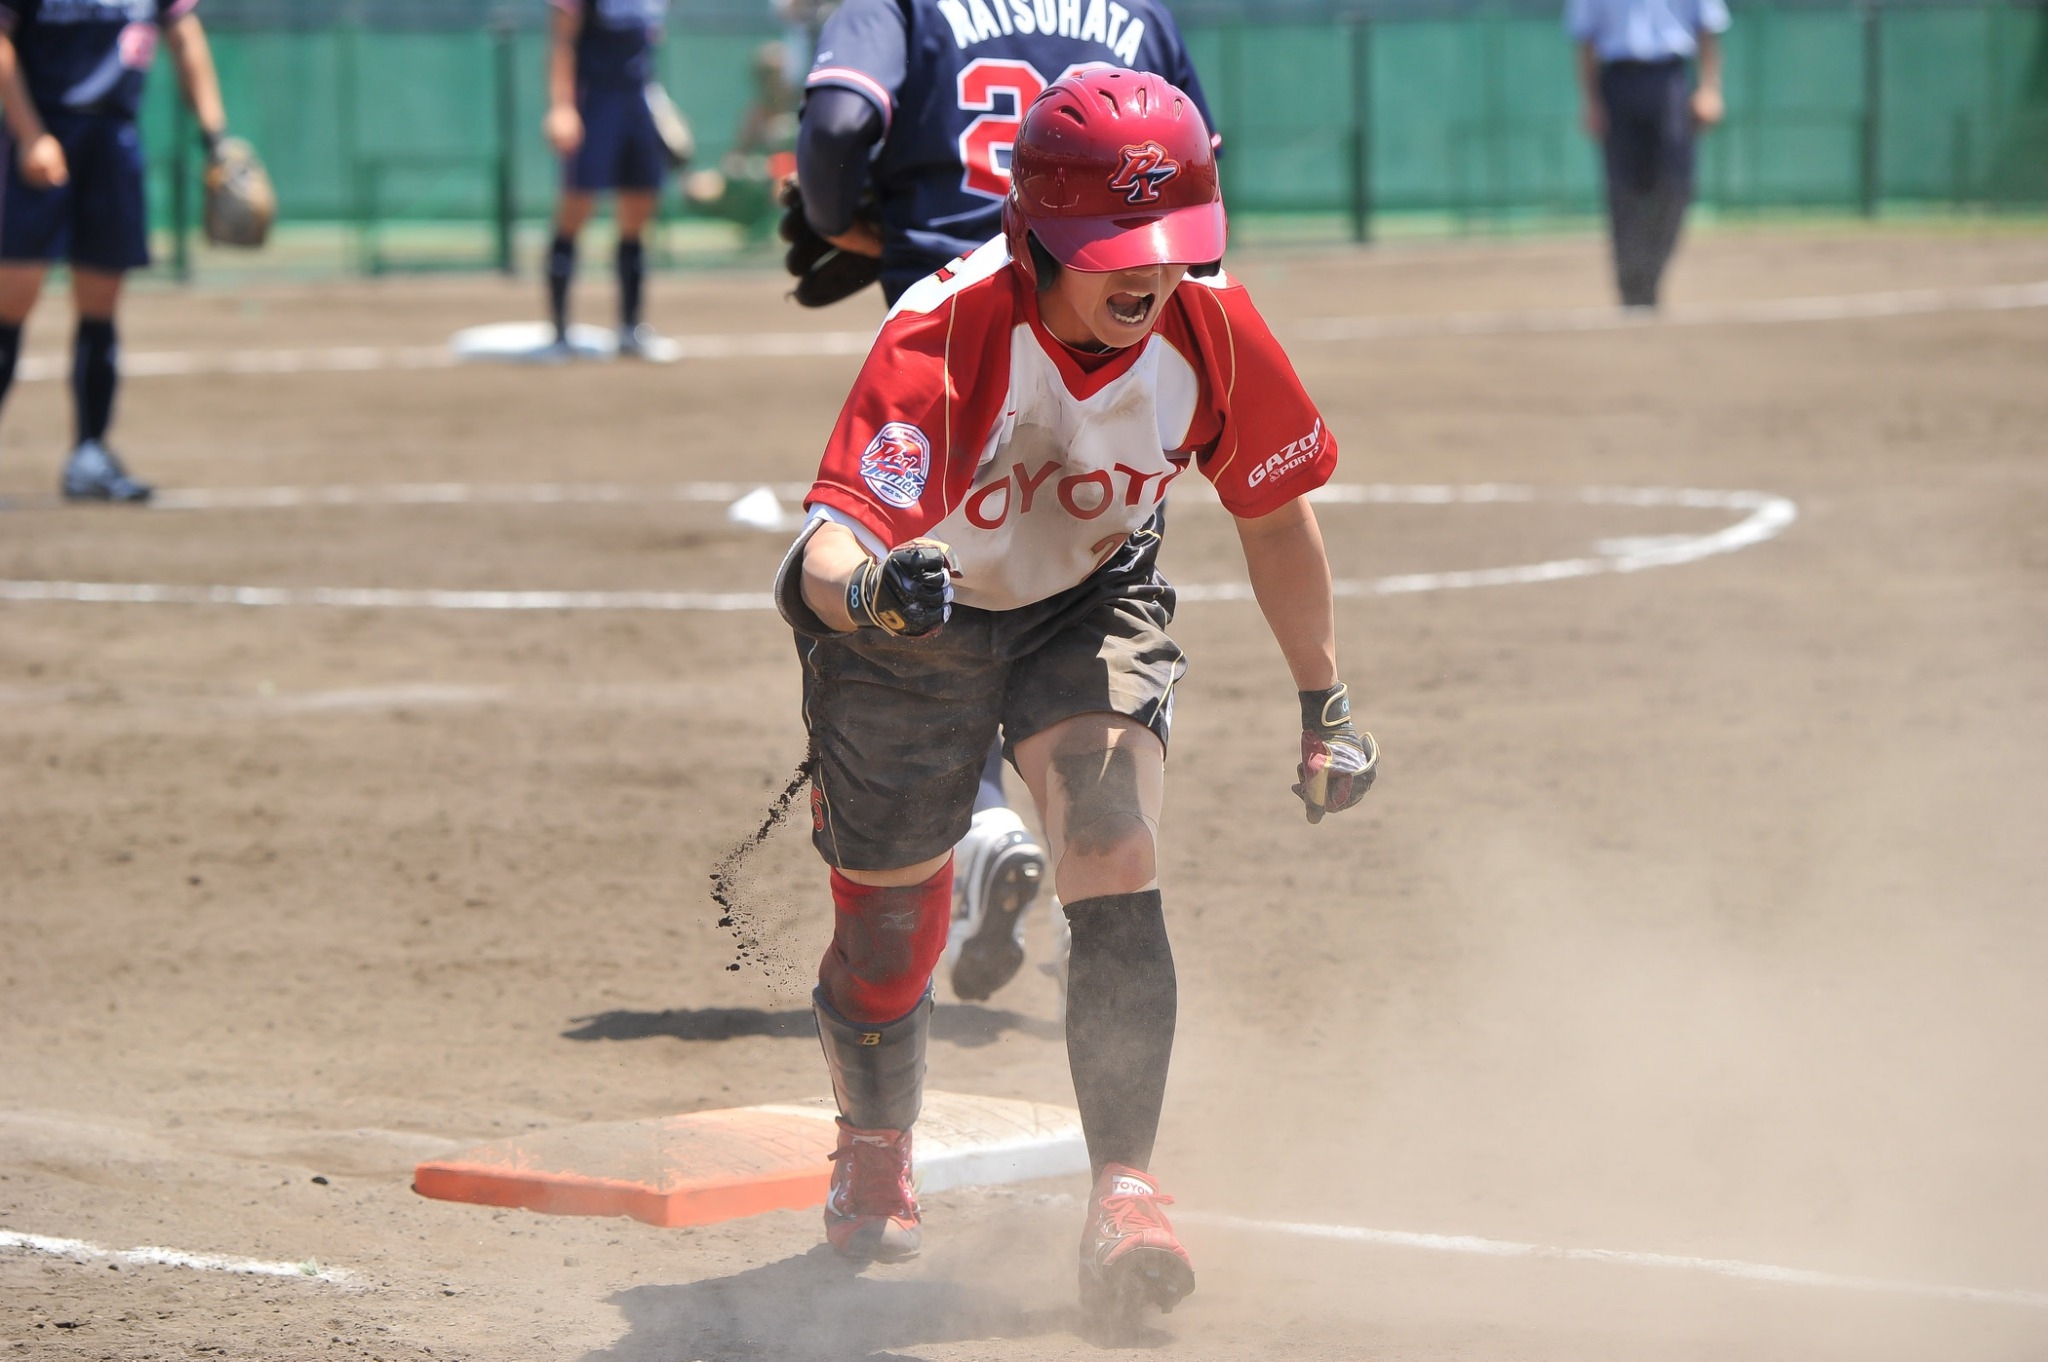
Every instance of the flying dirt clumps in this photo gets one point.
(752, 922)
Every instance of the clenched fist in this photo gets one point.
(42, 163)
(1338, 762)
(909, 593)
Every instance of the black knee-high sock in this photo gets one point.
(10, 351)
(1121, 1000)
(561, 269)
(95, 356)
(632, 262)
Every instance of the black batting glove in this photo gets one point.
(909, 593)
(1338, 762)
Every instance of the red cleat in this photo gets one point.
(1130, 1256)
(871, 1212)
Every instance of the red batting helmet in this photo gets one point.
(1114, 170)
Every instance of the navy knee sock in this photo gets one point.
(10, 350)
(561, 269)
(990, 793)
(632, 262)
(1121, 1001)
(94, 375)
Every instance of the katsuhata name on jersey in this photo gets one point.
(1096, 21)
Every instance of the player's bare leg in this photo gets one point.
(93, 472)
(20, 285)
(635, 209)
(873, 1005)
(1100, 782)
(572, 211)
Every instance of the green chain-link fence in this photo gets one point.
(382, 116)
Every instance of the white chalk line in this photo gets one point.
(1766, 515)
(1472, 1245)
(1721, 1267)
(151, 1256)
(1749, 312)
(813, 344)
(461, 494)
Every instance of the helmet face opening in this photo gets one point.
(1115, 170)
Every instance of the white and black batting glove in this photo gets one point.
(1337, 761)
(909, 593)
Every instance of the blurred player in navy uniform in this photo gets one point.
(903, 154)
(1641, 105)
(600, 62)
(71, 74)
(914, 107)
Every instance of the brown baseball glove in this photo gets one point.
(240, 204)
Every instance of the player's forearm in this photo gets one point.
(1710, 61)
(838, 133)
(562, 59)
(831, 557)
(192, 55)
(1291, 578)
(22, 119)
(1589, 74)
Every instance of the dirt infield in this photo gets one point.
(1695, 914)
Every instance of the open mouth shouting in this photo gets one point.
(1131, 309)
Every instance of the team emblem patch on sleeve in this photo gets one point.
(1142, 171)
(897, 463)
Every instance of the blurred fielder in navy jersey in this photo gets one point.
(1641, 105)
(914, 107)
(71, 76)
(903, 160)
(600, 64)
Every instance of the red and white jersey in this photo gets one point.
(972, 424)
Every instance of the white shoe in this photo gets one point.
(644, 342)
(997, 870)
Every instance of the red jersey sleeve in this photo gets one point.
(904, 451)
(1270, 443)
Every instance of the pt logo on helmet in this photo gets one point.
(1142, 171)
(896, 463)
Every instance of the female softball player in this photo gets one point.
(71, 78)
(903, 158)
(600, 60)
(979, 556)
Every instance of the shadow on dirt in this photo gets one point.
(964, 1024)
(815, 1308)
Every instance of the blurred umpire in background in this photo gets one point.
(1641, 104)
(71, 74)
(602, 125)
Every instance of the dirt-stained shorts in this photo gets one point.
(900, 727)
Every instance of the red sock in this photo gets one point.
(885, 945)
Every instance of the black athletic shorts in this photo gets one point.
(901, 727)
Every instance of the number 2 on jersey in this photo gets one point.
(1000, 89)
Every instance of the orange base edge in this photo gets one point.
(704, 1203)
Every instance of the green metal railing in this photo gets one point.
(383, 115)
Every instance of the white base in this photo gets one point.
(759, 510)
(534, 343)
(967, 1141)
